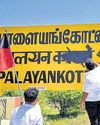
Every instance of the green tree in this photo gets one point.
(11, 93)
(67, 102)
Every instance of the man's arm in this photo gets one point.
(84, 96)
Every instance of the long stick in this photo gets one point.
(18, 84)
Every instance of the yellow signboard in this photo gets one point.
(50, 57)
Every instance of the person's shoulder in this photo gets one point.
(15, 109)
(95, 71)
(37, 105)
(88, 78)
(87, 75)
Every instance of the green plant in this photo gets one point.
(11, 93)
(67, 102)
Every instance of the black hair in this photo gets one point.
(89, 64)
(30, 95)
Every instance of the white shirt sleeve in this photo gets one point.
(87, 84)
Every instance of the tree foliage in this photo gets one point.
(11, 93)
(67, 102)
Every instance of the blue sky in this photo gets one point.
(48, 12)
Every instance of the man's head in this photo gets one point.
(89, 64)
(30, 95)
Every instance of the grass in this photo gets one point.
(80, 120)
(51, 115)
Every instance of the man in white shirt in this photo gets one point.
(91, 92)
(28, 113)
